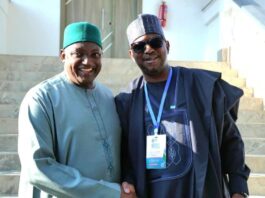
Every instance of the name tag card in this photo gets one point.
(156, 151)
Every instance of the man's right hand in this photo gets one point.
(127, 190)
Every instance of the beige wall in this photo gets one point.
(125, 12)
(245, 36)
(111, 16)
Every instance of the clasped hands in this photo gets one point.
(127, 190)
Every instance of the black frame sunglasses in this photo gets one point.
(155, 43)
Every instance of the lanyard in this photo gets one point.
(156, 122)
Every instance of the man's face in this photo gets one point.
(150, 54)
(82, 63)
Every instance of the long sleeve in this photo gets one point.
(232, 145)
(121, 105)
(41, 165)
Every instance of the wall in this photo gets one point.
(212, 20)
(36, 24)
(3, 25)
(33, 27)
(246, 37)
(190, 37)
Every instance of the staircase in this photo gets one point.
(19, 73)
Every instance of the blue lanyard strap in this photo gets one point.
(156, 122)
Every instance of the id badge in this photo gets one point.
(156, 151)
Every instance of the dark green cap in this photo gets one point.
(81, 32)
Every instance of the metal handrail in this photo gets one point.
(106, 48)
(106, 37)
(67, 2)
(109, 45)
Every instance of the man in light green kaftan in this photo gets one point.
(69, 132)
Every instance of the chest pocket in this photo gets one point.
(179, 148)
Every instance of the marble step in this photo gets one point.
(248, 91)
(7, 97)
(252, 130)
(36, 62)
(251, 103)
(219, 65)
(8, 125)
(256, 163)
(251, 116)
(27, 80)
(254, 146)
(9, 161)
(34, 76)
(22, 64)
(9, 111)
(51, 61)
(39, 75)
(9, 182)
(256, 183)
(17, 86)
(9, 122)
(8, 142)
(246, 102)
(30, 63)
(128, 66)
(130, 71)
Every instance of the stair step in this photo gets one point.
(9, 161)
(9, 181)
(254, 146)
(30, 63)
(117, 79)
(9, 110)
(8, 142)
(15, 86)
(256, 163)
(25, 76)
(251, 116)
(24, 86)
(207, 65)
(250, 103)
(15, 97)
(8, 125)
(32, 66)
(248, 91)
(7, 97)
(238, 82)
(252, 130)
(256, 183)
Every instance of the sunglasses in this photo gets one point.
(155, 43)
